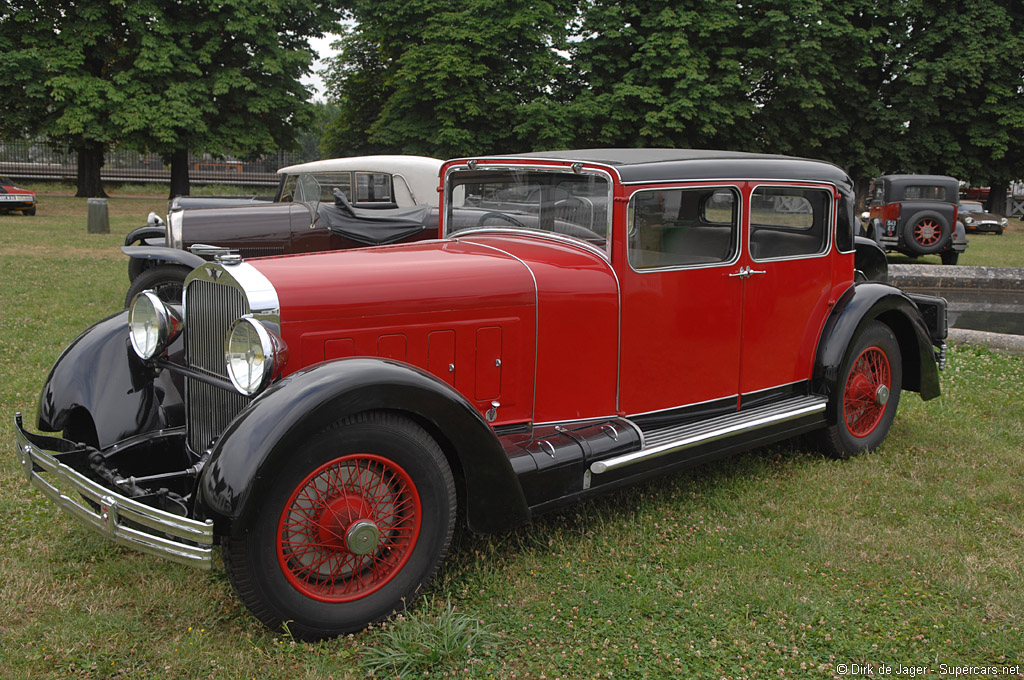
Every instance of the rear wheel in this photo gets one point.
(866, 398)
(351, 530)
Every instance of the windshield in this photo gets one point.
(971, 206)
(568, 204)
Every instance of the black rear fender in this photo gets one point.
(869, 260)
(860, 305)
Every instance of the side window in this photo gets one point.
(373, 187)
(788, 222)
(328, 181)
(683, 227)
(288, 188)
(925, 192)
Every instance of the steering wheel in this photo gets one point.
(500, 216)
(580, 232)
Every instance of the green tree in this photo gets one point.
(68, 60)
(159, 75)
(819, 74)
(447, 78)
(659, 73)
(357, 82)
(960, 94)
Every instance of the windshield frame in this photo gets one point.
(576, 169)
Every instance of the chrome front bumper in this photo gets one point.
(121, 519)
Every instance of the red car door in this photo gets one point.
(681, 308)
(787, 281)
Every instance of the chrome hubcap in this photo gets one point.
(362, 537)
(882, 395)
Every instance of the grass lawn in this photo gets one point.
(777, 563)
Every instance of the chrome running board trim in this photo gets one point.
(677, 438)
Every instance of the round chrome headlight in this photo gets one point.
(152, 325)
(968, 220)
(253, 355)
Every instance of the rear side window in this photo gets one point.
(683, 227)
(789, 222)
(373, 187)
(925, 192)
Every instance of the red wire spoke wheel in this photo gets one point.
(867, 392)
(348, 528)
(866, 395)
(927, 232)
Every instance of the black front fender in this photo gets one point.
(143, 234)
(99, 376)
(258, 442)
(182, 257)
(859, 306)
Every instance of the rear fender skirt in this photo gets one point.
(245, 459)
(182, 257)
(100, 375)
(859, 306)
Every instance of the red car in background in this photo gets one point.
(13, 197)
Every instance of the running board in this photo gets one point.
(671, 439)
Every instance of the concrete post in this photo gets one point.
(99, 220)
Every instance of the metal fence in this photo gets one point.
(39, 159)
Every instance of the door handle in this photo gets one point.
(746, 272)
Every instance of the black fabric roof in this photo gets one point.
(643, 165)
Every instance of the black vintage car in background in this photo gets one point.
(916, 215)
(332, 204)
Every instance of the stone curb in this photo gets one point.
(996, 341)
(969, 288)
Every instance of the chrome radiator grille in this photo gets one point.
(210, 309)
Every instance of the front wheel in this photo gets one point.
(166, 280)
(352, 528)
(866, 398)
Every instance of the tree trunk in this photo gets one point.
(179, 173)
(996, 202)
(90, 161)
(861, 186)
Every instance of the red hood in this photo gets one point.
(397, 280)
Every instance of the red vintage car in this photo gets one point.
(589, 319)
(13, 197)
